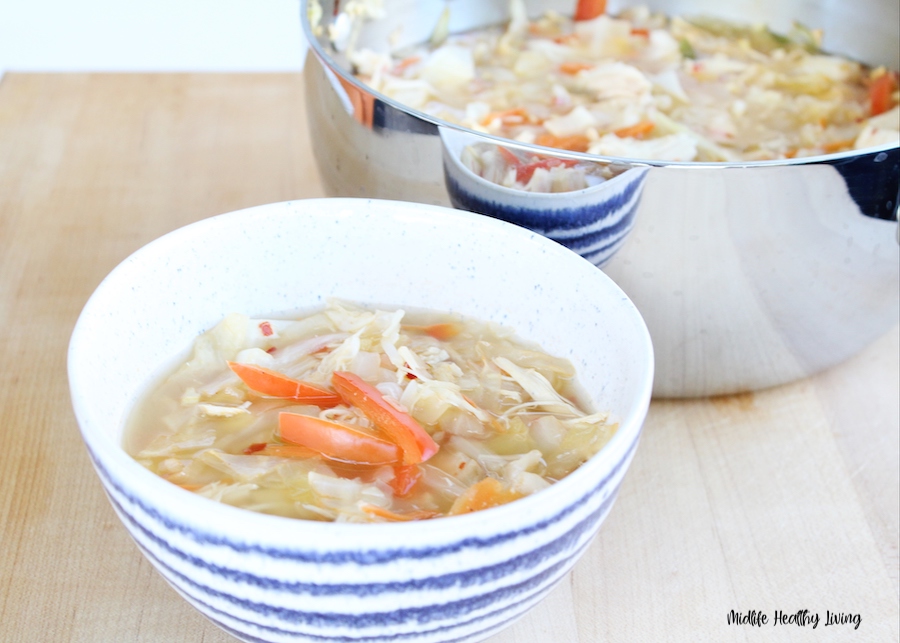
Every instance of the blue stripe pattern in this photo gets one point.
(361, 556)
(476, 635)
(594, 230)
(469, 578)
(421, 616)
(258, 608)
(477, 576)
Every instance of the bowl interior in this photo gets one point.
(455, 140)
(292, 256)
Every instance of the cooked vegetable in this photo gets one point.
(641, 85)
(638, 130)
(484, 494)
(405, 478)
(444, 331)
(880, 93)
(392, 516)
(430, 415)
(415, 444)
(337, 441)
(589, 9)
(268, 382)
(571, 68)
(573, 143)
(286, 451)
(441, 29)
(533, 173)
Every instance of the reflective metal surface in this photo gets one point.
(748, 275)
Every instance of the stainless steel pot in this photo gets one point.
(748, 275)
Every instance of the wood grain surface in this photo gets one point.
(781, 500)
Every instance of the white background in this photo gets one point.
(152, 35)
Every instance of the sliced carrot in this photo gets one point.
(274, 384)
(387, 514)
(253, 448)
(525, 172)
(589, 9)
(572, 68)
(484, 494)
(576, 143)
(334, 440)
(565, 39)
(405, 478)
(443, 332)
(638, 130)
(515, 116)
(509, 156)
(409, 61)
(640, 31)
(190, 487)
(414, 442)
(880, 93)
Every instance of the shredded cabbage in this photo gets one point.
(496, 407)
(636, 85)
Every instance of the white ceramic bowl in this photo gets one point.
(266, 578)
(594, 221)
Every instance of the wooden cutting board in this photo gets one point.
(775, 502)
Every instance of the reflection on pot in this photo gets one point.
(772, 275)
(593, 220)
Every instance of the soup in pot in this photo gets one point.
(638, 85)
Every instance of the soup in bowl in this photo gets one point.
(264, 577)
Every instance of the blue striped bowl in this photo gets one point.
(594, 222)
(266, 578)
